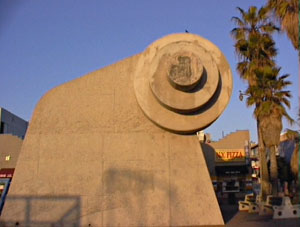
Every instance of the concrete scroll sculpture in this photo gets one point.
(92, 157)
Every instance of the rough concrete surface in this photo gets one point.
(92, 158)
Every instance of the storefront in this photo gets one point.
(5, 179)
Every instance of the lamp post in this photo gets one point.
(241, 96)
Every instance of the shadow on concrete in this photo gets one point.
(133, 191)
(52, 211)
(130, 197)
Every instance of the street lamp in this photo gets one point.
(241, 96)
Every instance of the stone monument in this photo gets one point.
(117, 147)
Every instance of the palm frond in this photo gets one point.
(286, 12)
(238, 21)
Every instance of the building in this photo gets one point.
(228, 163)
(12, 133)
(286, 147)
(284, 154)
(12, 124)
(10, 147)
(254, 160)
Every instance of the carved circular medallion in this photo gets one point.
(184, 71)
(183, 82)
(178, 97)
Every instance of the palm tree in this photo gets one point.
(254, 44)
(256, 50)
(286, 12)
(270, 100)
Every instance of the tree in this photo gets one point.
(270, 100)
(254, 44)
(286, 12)
(256, 50)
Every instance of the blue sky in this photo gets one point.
(44, 43)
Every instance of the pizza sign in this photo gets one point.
(6, 173)
(230, 155)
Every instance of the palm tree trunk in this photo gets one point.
(273, 171)
(294, 161)
(264, 174)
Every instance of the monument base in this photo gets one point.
(141, 179)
